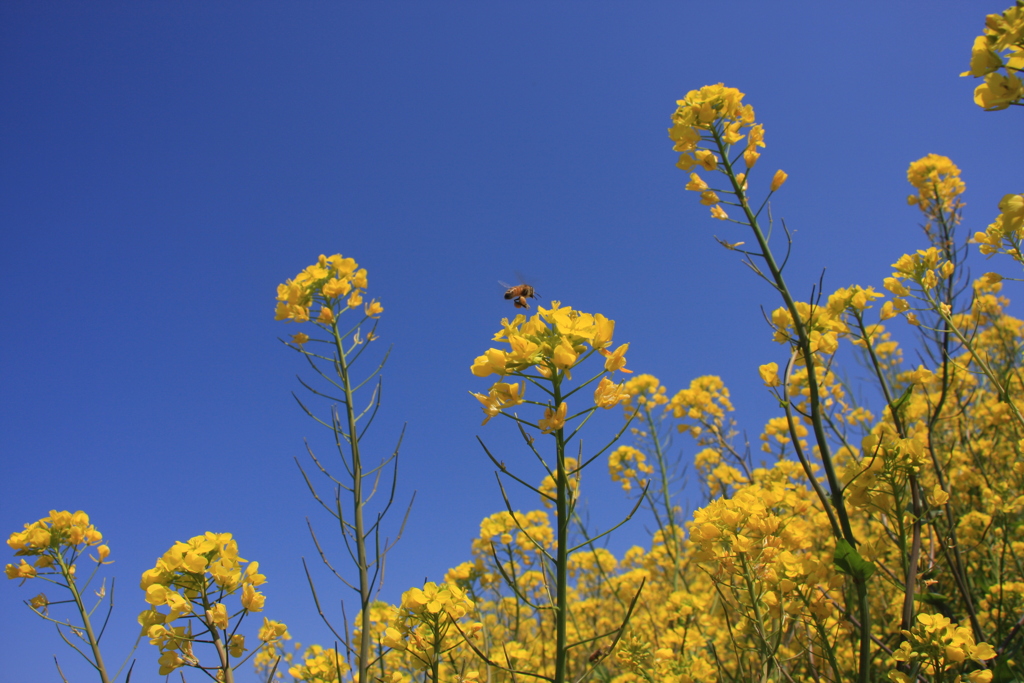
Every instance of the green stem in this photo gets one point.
(341, 366)
(562, 559)
(435, 660)
(218, 641)
(65, 570)
(803, 342)
(666, 497)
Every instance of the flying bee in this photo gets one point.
(519, 294)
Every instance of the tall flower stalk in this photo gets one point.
(334, 286)
(543, 353)
(708, 126)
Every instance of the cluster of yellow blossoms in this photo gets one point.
(937, 181)
(319, 666)
(627, 465)
(192, 580)
(998, 57)
(1005, 233)
(424, 628)
(940, 646)
(56, 539)
(334, 284)
(549, 345)
(705, 126)
(521, 539)
(643, 390)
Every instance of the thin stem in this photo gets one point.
(564, 517)
(357, 503)
(97, 662)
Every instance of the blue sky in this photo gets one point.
(165, 165)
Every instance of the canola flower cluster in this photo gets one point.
(423, 628)
(937, 181)
(940, 647)
(56, 541)
(998, 57)
(192, 581)
(1005, 233)
(334, 284)
(706, 125)
(314, 664)
(549, 345)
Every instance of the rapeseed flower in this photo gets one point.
(334, 284)
(548, 346)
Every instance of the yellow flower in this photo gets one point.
(686, 162)
(491, 407)
(252, 575)
(778, 179)
(492, 362)
(998, 91)
(707, 159)
(770, 374)
(236, 646)
(608, 394)
(359, 278)
(719, 213)
(374, 309)
(696, 183)
(501, 396)
(300, 338)
(708, 198)
(508, 394)
(732, 133)
(625, 465)
(169, 661)
(252, 600)
(603, 331)
(194, 562)
(564, 356)
(334, 288)
(218, 615)
(553, 420)
(616, 360)
(984, 60)
(177, 603)
(20, 571)
(700, 108)
(271, 630)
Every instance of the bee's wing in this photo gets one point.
(525, 280)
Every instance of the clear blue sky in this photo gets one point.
(164, 165)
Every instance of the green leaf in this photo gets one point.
(849, 561)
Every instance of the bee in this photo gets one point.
(519, 294)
